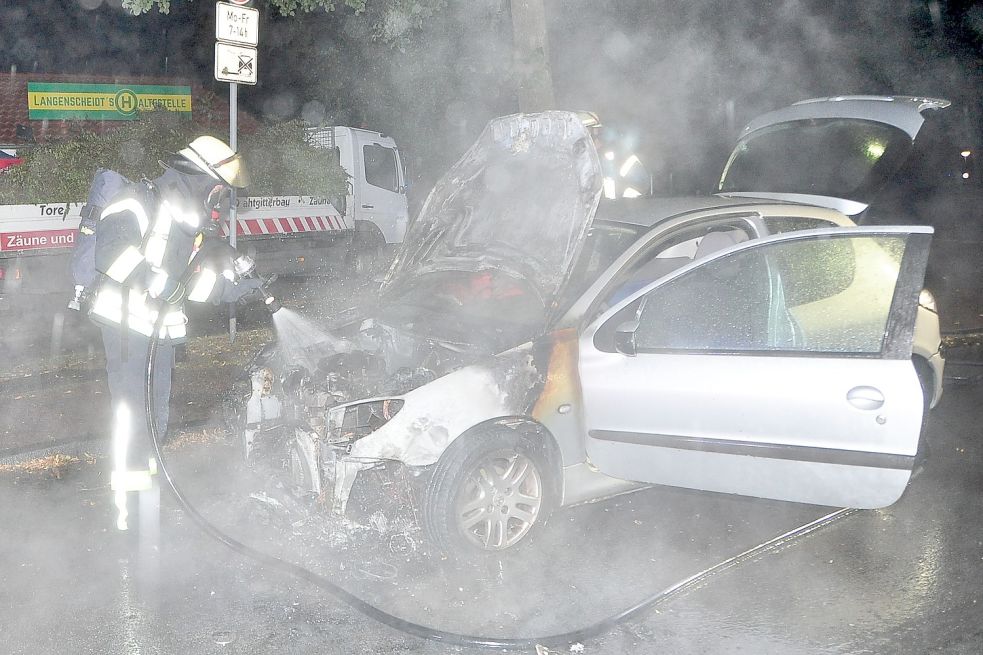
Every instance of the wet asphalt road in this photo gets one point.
(907, 579)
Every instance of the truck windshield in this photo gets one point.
(841, 158)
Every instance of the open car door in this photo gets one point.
(778, 368)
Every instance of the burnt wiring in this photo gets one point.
(426, 632)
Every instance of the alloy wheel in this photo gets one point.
(500, 500)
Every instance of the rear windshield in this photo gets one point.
(841, 158)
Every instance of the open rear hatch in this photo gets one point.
(833, 152)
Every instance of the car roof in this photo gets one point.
(903, 112)
(650, 211)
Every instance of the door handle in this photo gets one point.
(865, 398)
(368, 206)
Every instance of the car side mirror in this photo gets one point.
(624, 337)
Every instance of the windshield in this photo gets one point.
(604, 244)
(838, 157)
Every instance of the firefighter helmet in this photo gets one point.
(214, 157)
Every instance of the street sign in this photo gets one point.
(237, 35)
(239, 25)
(236, 64)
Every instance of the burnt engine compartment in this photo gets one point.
(375, 363)
(380, 361)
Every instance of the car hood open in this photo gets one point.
(519, 201)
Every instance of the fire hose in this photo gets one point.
(425, 632)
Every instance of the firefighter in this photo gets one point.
(624, 174)
(153, 255)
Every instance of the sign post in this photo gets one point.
(236, 41)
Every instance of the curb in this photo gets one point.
(73, 448)
(86, 445)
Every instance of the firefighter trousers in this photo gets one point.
(126, 367)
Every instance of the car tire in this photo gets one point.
(490, 493)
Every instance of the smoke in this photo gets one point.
(677, 82)
(686, 79)
(678, 79)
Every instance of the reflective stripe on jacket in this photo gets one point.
(141, 313)
(145, 252)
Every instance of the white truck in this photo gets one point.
(287, 235)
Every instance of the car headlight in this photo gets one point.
(927, 300)
(349, 423)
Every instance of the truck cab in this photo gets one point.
(376, 200)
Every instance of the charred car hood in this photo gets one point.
(519, 202)
(478, 273)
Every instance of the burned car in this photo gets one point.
(520, 357)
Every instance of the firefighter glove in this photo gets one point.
(166, 288)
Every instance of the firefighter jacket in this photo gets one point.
(624, 176)
(146, 249)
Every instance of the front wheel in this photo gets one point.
(490, 492)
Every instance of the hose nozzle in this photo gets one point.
(272, 304)
(245, 267)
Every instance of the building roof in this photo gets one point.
(209, 110)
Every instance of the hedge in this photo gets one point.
(278, 159)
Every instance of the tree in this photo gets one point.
(393, 21)
(531, 61)
(412, 11)
(278, 158)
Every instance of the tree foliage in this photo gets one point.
(278, 157)
(390, 21)
(414, 9)
(285, 7)
(282, 162)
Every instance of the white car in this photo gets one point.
(522, 356)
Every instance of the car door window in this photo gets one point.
(673, 252)
(830, 295)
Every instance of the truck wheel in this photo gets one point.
(368, 257)
(490, 492)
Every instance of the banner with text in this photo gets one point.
(103, 102)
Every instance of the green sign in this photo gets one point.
(103, 102)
